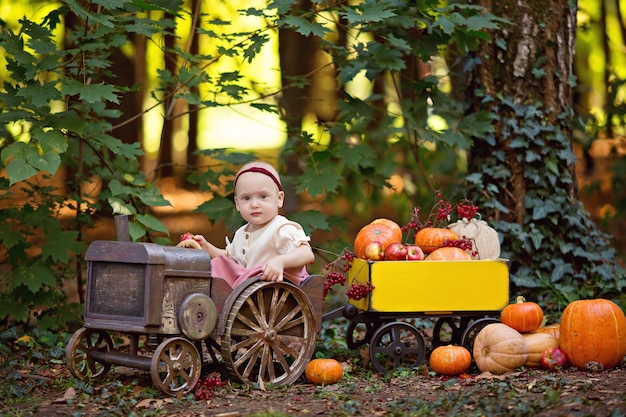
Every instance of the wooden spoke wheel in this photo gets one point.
(78, 353)
(175, 366)
(397, 345)
(470, 333)
(270, 333)
(449, 330)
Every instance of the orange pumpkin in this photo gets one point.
(450, 360)
(552, 329)
(323, 371)
(538, 343)
(432, 238)
(371, 233)
(524, 316)
(499, 349)
(449, 253)
(593, 331)
(395, 228)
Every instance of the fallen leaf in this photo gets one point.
(154, 403)
(69, 394)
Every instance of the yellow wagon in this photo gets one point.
(463, 296)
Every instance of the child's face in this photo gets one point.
(257, 198)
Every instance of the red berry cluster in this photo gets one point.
(463, 243)
(358, 291)
(466, 210)
(207, 388)
(440, 214)
(414, 223)
(337, 271)
(444, 208)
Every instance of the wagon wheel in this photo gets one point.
(449, 330)
(396, 344)
(354, 333)
(470, 333)
(270, 334)
(175, 366)
(78, 349)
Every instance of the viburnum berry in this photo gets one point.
(206, 388)
(358, 291)
(466, 209)
(337, 271)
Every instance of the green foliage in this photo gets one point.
(557, 254)
(61, 107)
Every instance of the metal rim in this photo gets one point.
(397, 345)
(354, 332)
(453, 327)
(470, 333)
(270, 334)
(77, 353)
(175, 366)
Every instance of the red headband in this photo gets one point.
(260, 171)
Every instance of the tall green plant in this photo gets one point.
(59, 109)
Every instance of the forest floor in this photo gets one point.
(125, 391)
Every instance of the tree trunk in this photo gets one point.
(524, 173)
(535, 66)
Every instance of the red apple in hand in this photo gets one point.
(553, 358)
(185, 236)
(395, 252)
(414, 253)
(374, 251)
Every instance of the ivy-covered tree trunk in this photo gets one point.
(526, 169)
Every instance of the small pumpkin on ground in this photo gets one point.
(524, 316)
(593, 331)
(537, 344)
(449, 253)
(499, 349)
(432, 238)
(450, 360)
(323, 371)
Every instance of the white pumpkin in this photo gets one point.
(485, 238)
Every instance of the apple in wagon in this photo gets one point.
(414, 253)
(374, 251)
(395, 252)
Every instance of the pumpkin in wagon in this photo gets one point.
(374, 232)
(432, 238)
(449, 253)
(593, 331)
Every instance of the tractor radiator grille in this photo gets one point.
(118, 289)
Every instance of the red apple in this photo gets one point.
(395, 252)
(185, 236)
(374, 251)
(414, 253)
(553, 358)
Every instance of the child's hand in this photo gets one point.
(272, 270)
